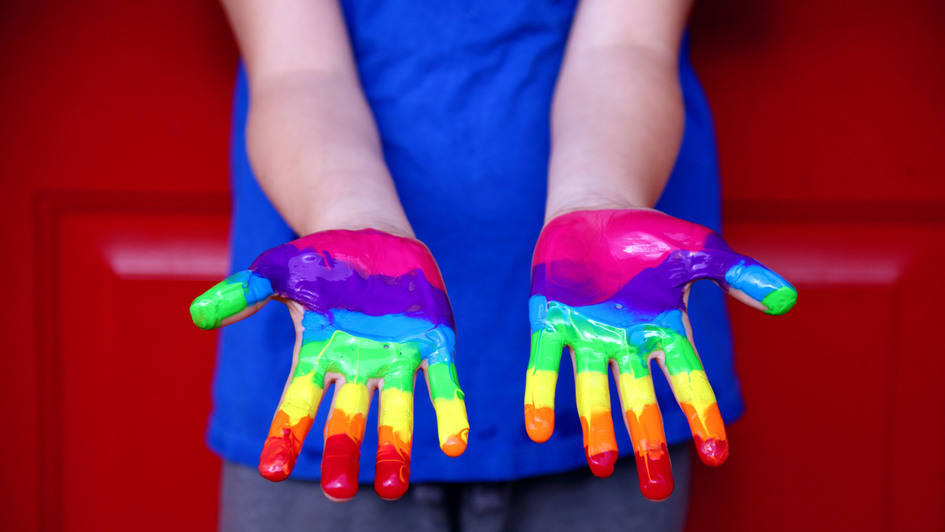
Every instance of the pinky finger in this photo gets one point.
(696, 398)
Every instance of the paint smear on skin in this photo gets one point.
(695, 397)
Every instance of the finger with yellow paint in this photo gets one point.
(541, 378)
(295, 414)
(344, 433)
(694, 394)
(644, 423)
(449, 402)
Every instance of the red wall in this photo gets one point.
(114, 215)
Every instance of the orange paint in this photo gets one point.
(709, 433)
(393, 464)
(455, 444)
(649, 443)
(282, 446)
(539, 422)
(600, 445)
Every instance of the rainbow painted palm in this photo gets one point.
(371, 309)
(612, 286)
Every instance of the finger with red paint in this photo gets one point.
(612, 286)
(371, 310)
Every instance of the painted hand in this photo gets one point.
(612, 285)
(370, 309)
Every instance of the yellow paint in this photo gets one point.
(593, 403)
(396, 411)
(451, 421)
(635, 394)
(301, 398)
(693, 388)
(593, 393)
(353, 399)
(540, 388)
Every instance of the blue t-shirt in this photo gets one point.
(461, 93)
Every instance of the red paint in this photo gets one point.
(278, 456)
(602, 464)
(340, 467)
(392, 472)
(712, 451)
(656, 474)
(539, 422)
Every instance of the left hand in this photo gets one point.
(612, 285)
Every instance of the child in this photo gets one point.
(370, 125)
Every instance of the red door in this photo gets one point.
(830, 130)
(114, 216)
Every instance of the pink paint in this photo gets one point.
(372, 252)
(606, 249)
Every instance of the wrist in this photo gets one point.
(557, 206)
(355, 214)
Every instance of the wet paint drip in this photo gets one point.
(375, 310)
(610, 286)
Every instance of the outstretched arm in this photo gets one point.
(617, 117)
(311, 137)
(610, 275)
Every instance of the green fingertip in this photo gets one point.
(220, 302)
(780, 300)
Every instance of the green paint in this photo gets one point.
(632, 362)
(780, 301)
(678, 353)
(359, 360)
(595, 344)
(546, 351)
(443, 381)
(225, 299)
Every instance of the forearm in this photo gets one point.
(311, 137)
(617, 117)
(316, 153)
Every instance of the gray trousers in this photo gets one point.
(571, 501)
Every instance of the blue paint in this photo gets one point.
(754, 279)
(436, 344)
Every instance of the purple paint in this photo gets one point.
(641, 259)
(321, 277)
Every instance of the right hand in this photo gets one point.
(370, 309)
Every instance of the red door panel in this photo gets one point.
(125, 397)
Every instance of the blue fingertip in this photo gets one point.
(755, 280)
